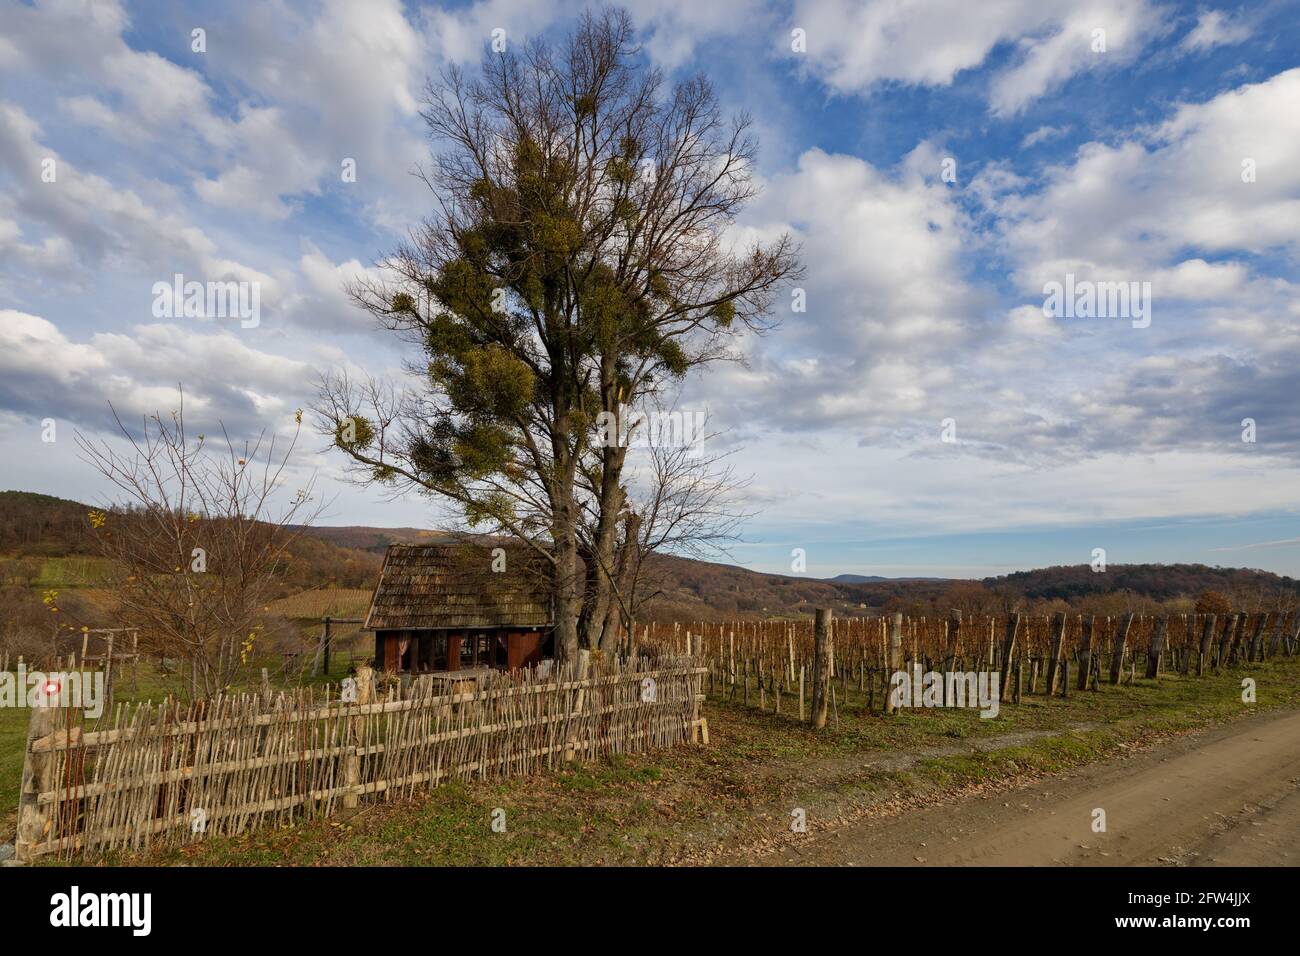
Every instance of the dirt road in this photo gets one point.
(1230, 796)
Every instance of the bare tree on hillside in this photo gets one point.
(196, 540)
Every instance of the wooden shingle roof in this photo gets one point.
(449, 586)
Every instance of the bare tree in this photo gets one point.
(681, 500)
(196, 540)
(575, 263)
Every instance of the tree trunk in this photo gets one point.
(599, 596)
(568, 600)
(616, 615)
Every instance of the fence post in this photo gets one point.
(1121, 641)
(325, 648)
(1255, 651)
(698, 725)
(580, 699)
(1207, 638)
(352, 760)
(1009, 648)
(1275, 638)
(821, 667)
(1058, 635)
(953, 640)
(321, 661)
(1087, 630)
(894, 662)
(38, 776)
(1157, 648)
(1227, 639)
(108, 674)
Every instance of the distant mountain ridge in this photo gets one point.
(869, 578)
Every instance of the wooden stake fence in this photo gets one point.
(170, 773)
(777, 659)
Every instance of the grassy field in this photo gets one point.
(695, 804)
(73, 571)
(323, 602)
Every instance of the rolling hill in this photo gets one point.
(40, 528)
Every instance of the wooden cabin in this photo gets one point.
(442, 607)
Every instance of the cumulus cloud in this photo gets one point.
(1215, 28)
(886, 294)
(855, 46)
(81, 42)
(45, 374)
(103, 225)
(1218, 176)
(1099, 34)
(1170, 205)
(899, 334)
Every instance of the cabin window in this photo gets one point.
(438, 652)
(469, 650)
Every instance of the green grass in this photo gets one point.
(693, 803)
(73, 571)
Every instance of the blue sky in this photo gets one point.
(1111, 156)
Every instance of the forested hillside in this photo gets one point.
(36, 528)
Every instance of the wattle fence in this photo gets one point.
(170, 773)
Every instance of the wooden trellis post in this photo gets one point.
(1207, 639)
(1086, 637)
(894, 662)
(953, 627)
(821, 667)
(1054, 662)
(1121, 642)
(699, 726)
(1157, 648)
(1256, 650)
(1008, 649)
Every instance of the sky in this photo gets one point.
(943, 163)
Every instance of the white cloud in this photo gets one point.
(1215, 28)
(1040, 135)
(105, 225)
(854, 46)
(43, 373)
(1134, 208)
(1102, 33)
(888, 304)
